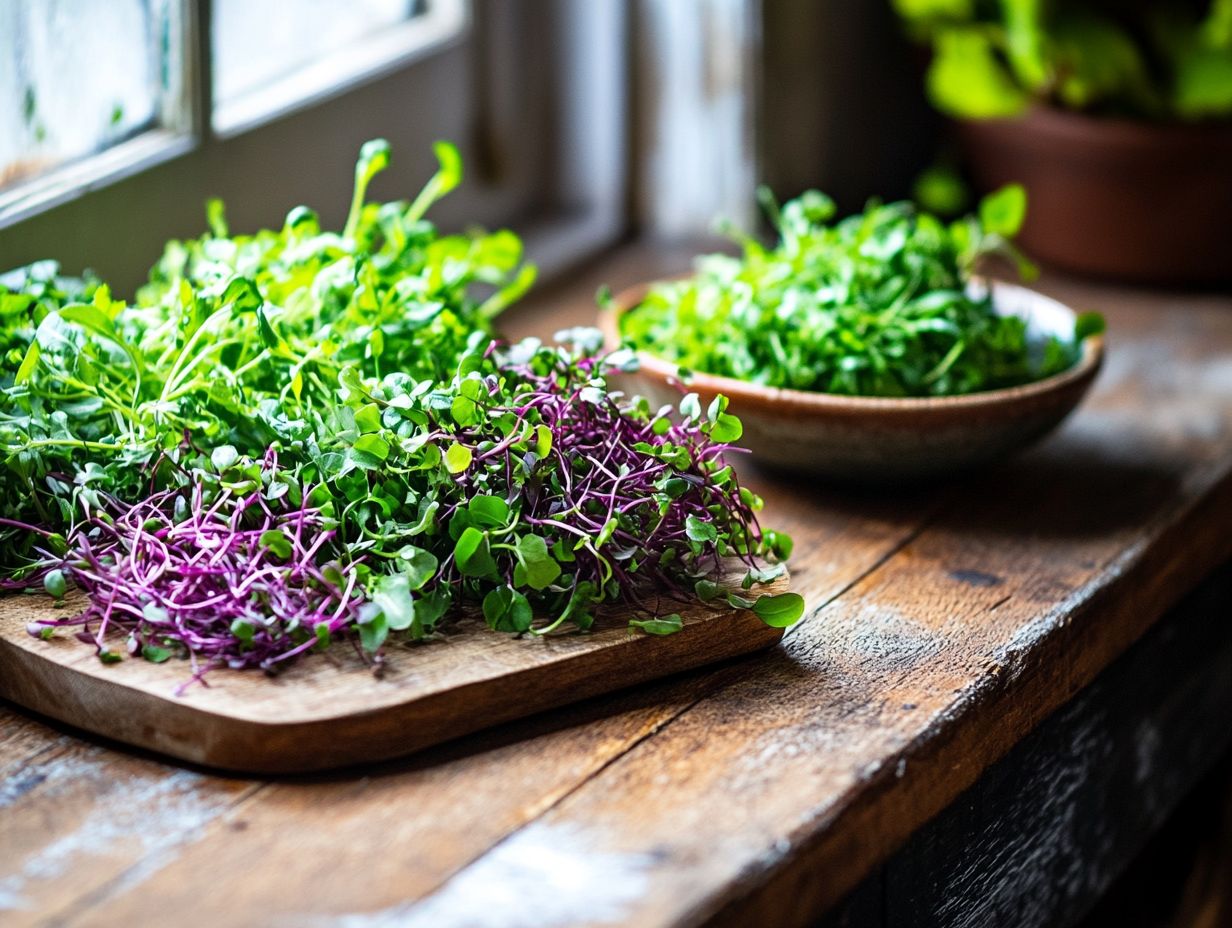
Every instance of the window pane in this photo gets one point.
(256, 43)
(78, 76)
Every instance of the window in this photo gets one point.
(91, 90)
(269, 112)
(269, 58)
(80, 78)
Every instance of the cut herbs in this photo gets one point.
(299, 436)
(876, 304)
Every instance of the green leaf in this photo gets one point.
(90, 317)
(543, 441)
(431, 606)
(417, 565)
(55, 584)
(1002, 211)
(507, 610)
(780, 544)
(1088, 324)
(1096, 60)
(539, 567)
(465, 411)
(1025, 39)
(726, 429)
(368, 418)
(473, 555)
(935, 9)
(373, 446)
(374, 157)
(223, 457)
(155, 654)
(216, 217)
(28, 363)
(457, 458)
(277, 542)
(780, 610)
(392, 595)
(698, 530)
(941, 189)
(447, 177)
(663, 625)
(244, 631)
(488, 511)
(243, 296)
(373, 632)
(1203, 82)
(427, 518)
(763, 574)
(967, 80)
(155, 614)
(265, 329)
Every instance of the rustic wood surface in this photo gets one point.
(333, 711)
(1041, 836)
(943, 625)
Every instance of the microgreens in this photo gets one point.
(298, 436)
(877, 304)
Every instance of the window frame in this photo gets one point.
(563, 185)
(442, 23)
(176, 134)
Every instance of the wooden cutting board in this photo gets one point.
(329, 710)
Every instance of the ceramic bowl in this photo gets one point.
(883, 440)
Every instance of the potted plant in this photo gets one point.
(1116, 115)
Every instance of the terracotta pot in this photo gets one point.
(1135, 201)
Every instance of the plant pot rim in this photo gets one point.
(746, 393)
(1057, 121)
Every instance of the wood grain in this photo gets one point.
(944, 624)
(1041, 835)
(325, 713)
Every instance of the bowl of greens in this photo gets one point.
(867, 348)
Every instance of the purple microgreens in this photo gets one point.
(228, 580)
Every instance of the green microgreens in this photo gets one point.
(348, 384)
(877, 304)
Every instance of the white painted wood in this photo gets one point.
(696, 148)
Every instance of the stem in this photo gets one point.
(74, 443)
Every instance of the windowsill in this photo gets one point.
(75, 178)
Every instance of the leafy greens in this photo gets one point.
(300, 435)
(876, 304)
(1158, 59)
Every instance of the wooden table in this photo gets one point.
(944, 627)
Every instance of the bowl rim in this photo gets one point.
(1087, 366)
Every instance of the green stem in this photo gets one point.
(168, 386)
(73, 443)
